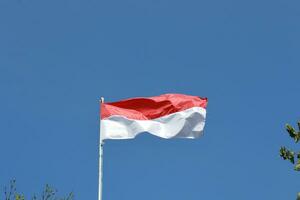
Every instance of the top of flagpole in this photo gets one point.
(101, 99)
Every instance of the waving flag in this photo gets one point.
(166, 116)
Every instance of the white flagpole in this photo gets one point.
(101, 143)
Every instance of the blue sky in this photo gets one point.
(58, 57)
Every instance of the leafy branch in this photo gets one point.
(288, 154)
(10, 193)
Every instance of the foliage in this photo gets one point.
(10, 193)
(288, 154)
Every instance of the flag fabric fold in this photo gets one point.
(166, 116)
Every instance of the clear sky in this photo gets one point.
(58, 57)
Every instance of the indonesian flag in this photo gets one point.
(166, 116)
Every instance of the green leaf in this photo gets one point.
(291, 156)
(287, 154)
(283, 153)
(297, 167)
(19, 197)
(290, 130)
(292, 159)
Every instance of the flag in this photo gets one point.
(166, 116)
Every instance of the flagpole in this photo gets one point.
(101, 143)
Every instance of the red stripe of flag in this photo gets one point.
(147, 108)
